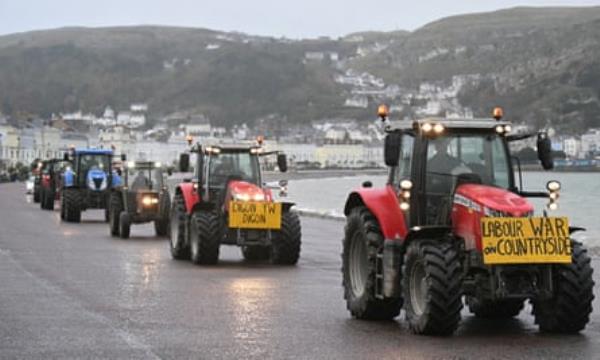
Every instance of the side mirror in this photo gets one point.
(544, 151)
(169, 171)
(123, 157)
(282, 162)
(66, 156)
(391, 150)
(184, 162)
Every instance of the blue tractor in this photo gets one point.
(87, 184)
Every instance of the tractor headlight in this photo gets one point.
(149, 200)
(241, 197)
(404, 194)
(553, 195)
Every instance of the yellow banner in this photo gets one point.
(536, 240)
(254, 215)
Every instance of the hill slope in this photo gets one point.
(542, 64)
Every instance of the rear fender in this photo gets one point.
(68, 178)
(191, 197)
(383, 204)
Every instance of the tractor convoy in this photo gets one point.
(453, 226)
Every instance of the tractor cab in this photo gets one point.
(438, 155)
(452, 222)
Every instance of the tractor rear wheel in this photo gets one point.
(72, 202)
(124, 225)
(179, 249)
(285, 248)
(49, 200)
(205, 237)
(256, 253)
(363, 240)
(36, 194)
(432, 287)
(499, 309)
(569, 310)
(114, 211)
(161, 225)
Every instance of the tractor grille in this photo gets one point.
(97, 182)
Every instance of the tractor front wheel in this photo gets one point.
(124, 225)
(205, 237)
(569, 310)
(72, 205)
(36, 194)
(363, 241)
(285, 248)
(432, 287)
(114, 212)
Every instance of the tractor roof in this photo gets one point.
(93, 152)
(466, 124)
(146, 164)
(230, 147)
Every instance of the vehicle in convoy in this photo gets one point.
(30, 185)
(142, 198)
(51, 182)
(37, 178)
(453, 222)
(227, 203)
(87, 183)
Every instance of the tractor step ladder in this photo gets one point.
(379, 276)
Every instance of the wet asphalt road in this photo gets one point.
(72, 291)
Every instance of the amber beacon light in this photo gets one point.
(382, 111)
(498, 113)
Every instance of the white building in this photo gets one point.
(572, 147)
(590, 141)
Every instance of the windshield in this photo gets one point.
(474, 158)
(483, 156)
(144, 179)
(93, 161)
(237, 166)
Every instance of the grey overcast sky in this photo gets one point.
(293, 19)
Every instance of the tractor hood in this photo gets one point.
(244, 191)
(492, 201)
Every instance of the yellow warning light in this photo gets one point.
(382, 111)
(189, 139)
(260, 140)
(498, 113)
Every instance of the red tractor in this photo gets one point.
(227, 203)
(452, 222)
(51, 182)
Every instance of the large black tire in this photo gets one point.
(36, 194)
(161, 225)
(180, 250)
(286, 243)
(115, 207)
(206, 232)
(569, 310)
(499, 309)
(124, 225)
(432, 287)
(72, 203)
(363, 240)
(46, 199)
(256, 253)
